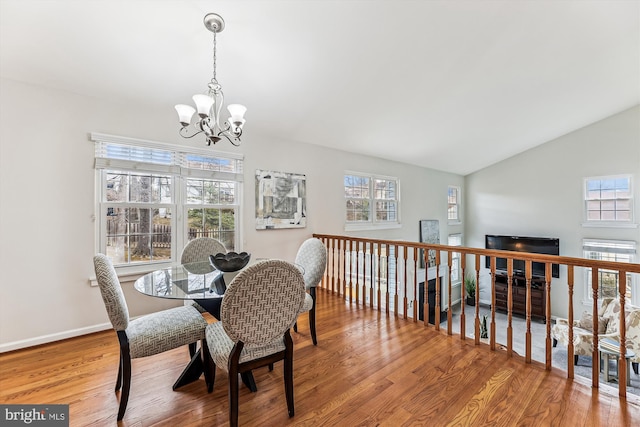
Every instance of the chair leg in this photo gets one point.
(209, 366)
(126, 382)
(312, 316)
(192, 349)
(635, 367)
(555, 342)
(295, 326)
(119, 380)
(575, 359)
(234, 361)
(288, 373)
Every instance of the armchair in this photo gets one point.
(608, 325)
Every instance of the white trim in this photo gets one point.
(609, 224)
(45, 339)
(355, 226)
(101, 137)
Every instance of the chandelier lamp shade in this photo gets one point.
(209, 105)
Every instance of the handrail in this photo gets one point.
(359, 269)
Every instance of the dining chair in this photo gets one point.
(198, 250)
(149, 334)
(312, 257)
(259, 307)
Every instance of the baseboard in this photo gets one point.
(44, 339)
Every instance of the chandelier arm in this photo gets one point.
(186, 135)
(226, 134)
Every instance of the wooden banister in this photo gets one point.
(360, 269)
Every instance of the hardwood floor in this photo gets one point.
(367, 370)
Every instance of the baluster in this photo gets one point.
(509, 307)
(350, 270)
(395, 264)
(425, 305)
(357, 296)
(438, 307)
(330, 262)
(622, 365)
(363, 284)
(325, 276)
(404, 282)
(335, 284)
(375, 281)
(547, 316)
(595, 355)
(340, 276)
(329, 275)
(371, 290)
(386, 252)
(344, 267)
(527, 269)
(463, 268)
(415, 284)
(570, 349)
(449, 263)
(492, 342)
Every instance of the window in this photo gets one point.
(371, 201)
(610, 250)
(608, 200)
(455, 240)
(153, 198)
(453, 204)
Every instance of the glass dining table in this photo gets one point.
(199, 282)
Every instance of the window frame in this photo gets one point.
(458, 205)
(455, 256)
(181, 168)
(633, 284)
(372, 223)
(630, 223)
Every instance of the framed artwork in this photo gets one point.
(429, 233)
(280, 200)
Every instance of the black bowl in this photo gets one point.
(230, 262)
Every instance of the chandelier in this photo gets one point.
(210, 104)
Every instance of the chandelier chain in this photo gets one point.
(214, 80)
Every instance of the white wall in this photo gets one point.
(540, 193)
(47, 196)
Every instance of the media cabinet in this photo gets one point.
(519, 296)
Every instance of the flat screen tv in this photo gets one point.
(536, 245)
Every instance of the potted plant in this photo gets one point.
(470, 289)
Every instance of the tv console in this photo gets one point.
(519, 295)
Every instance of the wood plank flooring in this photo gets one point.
(369, 369)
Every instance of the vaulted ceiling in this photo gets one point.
(450, 85)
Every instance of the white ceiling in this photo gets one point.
(450, 85)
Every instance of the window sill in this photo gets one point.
(129, 273)
(369, 226)
(610, 224)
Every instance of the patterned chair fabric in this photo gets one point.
(608, 325)
(199, 249)
(259, 307)
(146, 335)
(312, 256)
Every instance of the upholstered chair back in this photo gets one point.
(112, 294)
(199, 249)
(312, 256)
(262, 302)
